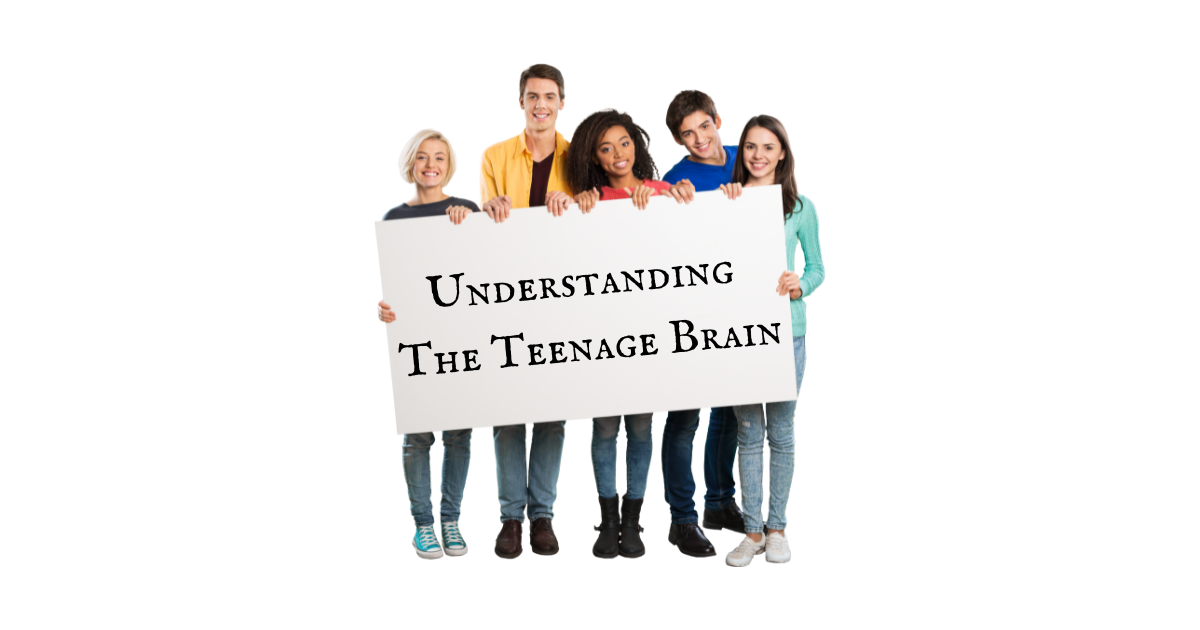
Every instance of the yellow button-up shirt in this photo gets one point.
(508, 170)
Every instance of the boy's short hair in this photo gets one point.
(543, 71)
(685, 104)
(409, 154)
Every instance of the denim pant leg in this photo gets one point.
(678, 484)
(456, 460)
(750, 422)
(545, 460)
(511, 481)
(779, 425)
(604, 455)
(639, 448)
(416, 476)
(781, 436)
(720, 448)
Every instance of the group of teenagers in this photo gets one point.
(608, 158)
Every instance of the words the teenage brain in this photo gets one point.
(553, 352)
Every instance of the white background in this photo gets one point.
(997, 426)
(735, 243)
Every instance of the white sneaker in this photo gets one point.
(455, 545)
(745, 552)
(777, 548)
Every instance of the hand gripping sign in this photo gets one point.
(616, 312)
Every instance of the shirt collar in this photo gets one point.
(560, 143)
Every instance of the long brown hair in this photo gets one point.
(785, 172)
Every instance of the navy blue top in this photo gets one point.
(703, 176)
(405, 211)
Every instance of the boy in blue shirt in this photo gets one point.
(694, 123)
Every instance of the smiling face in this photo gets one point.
(760, 154)
(431, 163)
(698, 134)
(541, 102)
(615, 152)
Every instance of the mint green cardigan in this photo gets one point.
(801, 227)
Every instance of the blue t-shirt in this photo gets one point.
(703, 176)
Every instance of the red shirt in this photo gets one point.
(607, 193)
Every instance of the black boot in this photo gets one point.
(610, 535)
(631, 532)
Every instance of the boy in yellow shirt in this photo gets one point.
(528, 170)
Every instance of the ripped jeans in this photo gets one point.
(779, 422)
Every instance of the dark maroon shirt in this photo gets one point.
(541, 177)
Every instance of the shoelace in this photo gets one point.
(748, 547)
(450, 533)
(426, 537)
(776, 544)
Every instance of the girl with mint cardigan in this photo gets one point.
(764, 158)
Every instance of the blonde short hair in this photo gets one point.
(409, 154)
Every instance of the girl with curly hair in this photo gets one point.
(610, 159)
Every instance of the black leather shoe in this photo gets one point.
(728, 517)
(610, 534)
(631, 533)
(690, 540)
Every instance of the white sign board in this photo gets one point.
(616, 312)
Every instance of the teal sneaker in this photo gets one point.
(426, 543)
(455, 545)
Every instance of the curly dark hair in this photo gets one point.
(785, 170)
(583, 172)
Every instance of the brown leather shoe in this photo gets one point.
(508, 543)
(541, 538)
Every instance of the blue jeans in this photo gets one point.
(780, 430)
(539, 488)
(720, 447)
(455, 461)
(719, 450)
(678, 484)
(639, 446)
